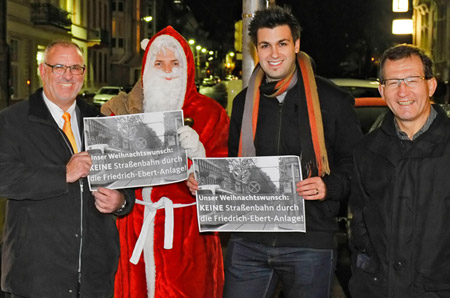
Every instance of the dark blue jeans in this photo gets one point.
(253, 270)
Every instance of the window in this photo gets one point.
(14, 50)
(14, 74)
(117, 5)
(14, 88)
(105, 67)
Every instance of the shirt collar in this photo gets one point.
(403, 136)
(57, 112)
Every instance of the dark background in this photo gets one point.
(344, 37)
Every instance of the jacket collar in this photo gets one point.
(38, 110)
(388, 144)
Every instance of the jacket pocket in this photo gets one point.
(367, 264)
(363, 284)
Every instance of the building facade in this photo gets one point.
(109, 32)
(32, 25)
(431, 19)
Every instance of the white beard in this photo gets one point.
(161, 94)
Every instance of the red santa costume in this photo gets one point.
(193, 267)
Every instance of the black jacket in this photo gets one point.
(401, 213)
(278, 133)
(52, 228)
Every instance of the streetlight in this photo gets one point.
(197, 70)
(147, 19)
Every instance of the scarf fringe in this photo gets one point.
(315, 114)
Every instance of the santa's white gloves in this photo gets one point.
(190, 141)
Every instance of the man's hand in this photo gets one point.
(192, 184)
(190, 141)
(312, 189)
(108, 200)
(78, 166)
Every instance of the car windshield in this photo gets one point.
(362, 91)
(110, 91)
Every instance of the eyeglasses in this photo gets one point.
(411, 81)
(60, 69)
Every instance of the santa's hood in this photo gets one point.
(190, 67)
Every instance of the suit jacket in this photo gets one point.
(53, 230)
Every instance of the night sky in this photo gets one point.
(341, 35)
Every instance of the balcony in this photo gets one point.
(99, 37)
(46, 14)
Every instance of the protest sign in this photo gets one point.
(249, 194)
(135, 150)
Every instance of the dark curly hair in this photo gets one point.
(401, 51)
(273, 17)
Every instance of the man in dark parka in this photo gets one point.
(400, 194)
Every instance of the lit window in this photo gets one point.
(402, 26)
(400, 5)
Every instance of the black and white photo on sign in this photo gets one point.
(135, 150)
(249, 194)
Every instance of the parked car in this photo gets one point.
(231, 77)
(370, 107)
(208, 82)
(105, 93)
(88, 97)
(211, 81)
(357, 87)
(370, 112)
(217, 79)
(446, 107)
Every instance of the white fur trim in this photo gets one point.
(144, 43)
(145, 242)
(149, 258)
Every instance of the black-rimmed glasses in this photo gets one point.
(60, 69)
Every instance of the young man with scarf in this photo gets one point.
(286, 110)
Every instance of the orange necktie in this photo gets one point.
(67, 128)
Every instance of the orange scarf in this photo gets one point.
(251, 106)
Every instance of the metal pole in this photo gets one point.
(248, 50)
(4, 58)
(154, 13)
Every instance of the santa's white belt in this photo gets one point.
(168, 205)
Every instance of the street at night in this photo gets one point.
(356, 92)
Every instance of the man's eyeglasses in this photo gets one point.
(411, 81)
(60, 69)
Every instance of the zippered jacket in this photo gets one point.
(401, 204)
(278, 133)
